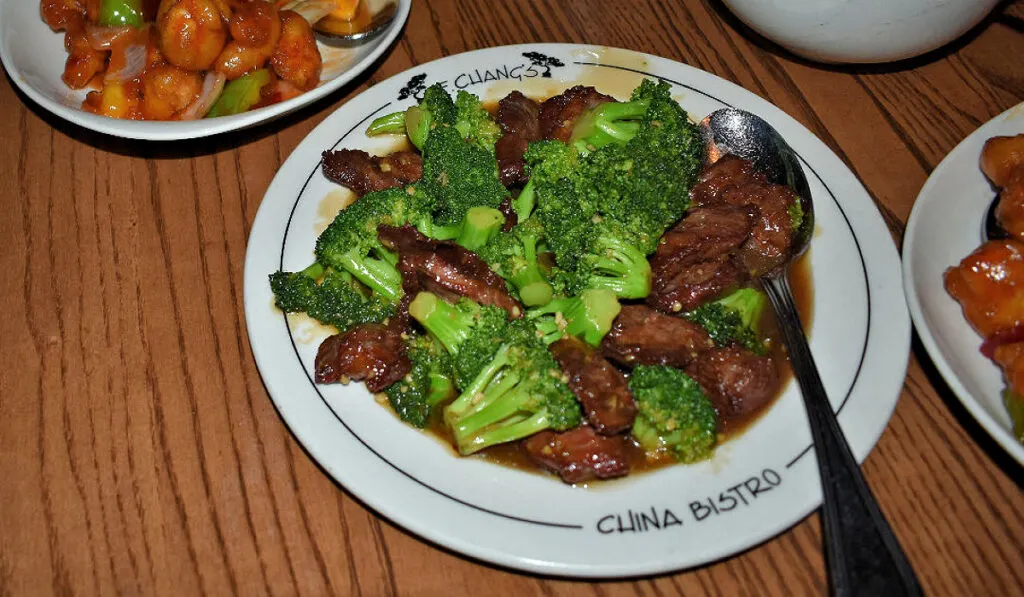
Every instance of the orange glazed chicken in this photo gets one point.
(989, 283)
(189, 59)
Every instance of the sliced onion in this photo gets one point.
(213, 84)
(312, 10)
(100, 38)
(134, 62)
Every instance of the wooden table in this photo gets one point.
(140, 453)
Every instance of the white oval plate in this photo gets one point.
(944, 227)
(755, 487)
(34, 57)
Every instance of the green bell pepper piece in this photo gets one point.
(241, 94)
(119, 13)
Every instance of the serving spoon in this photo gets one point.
(862, 553)
(383, 14)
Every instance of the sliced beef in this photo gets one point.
(727, 173)
(733, 181)
(689, 286)
(365, 173)
(445, 269)
(558, 114)
(579, 455)
(372, 352)
(769, 245)
(509, 151)
(519, 119)
(519, 115)
(696, 262)
(600, 387)
(642, 336)
(737, 381)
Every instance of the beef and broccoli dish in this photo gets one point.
(563, 278)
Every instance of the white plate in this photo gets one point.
(34, 57)
(755, 487)
(944, 227)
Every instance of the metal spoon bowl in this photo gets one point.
(863, 555)
(379, 23)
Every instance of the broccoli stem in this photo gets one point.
(417, 125)
(448, 324)
(479, 225)
(749, 303)
(588, 316)
(378, 275)
(620, 268)
(388, 256)
(438, 231)
(472, 396)
(536, 423)
(611, 122)
(489, 411)
(534, 288)
(389, 124)
(314, 271)
(441, 388)
(647, 435)
(523, 204)
(498, 424)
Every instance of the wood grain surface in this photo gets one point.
(140, 453)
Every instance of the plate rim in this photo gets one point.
(974, 407)
(888, 264)
(148, 130)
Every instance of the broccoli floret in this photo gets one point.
(470, 332)
(645, 183)
(608, 123)
(459, 175)
(593, 252)
(513, 256)
(417, 121)
(521, 391)
(612, 261)
(466, 113)
(603, 212)
(588, 316)
(350, 242)
(427, 384)
(734, 319)
(474, 122)
(673, 414)
(335, 300)
(548, 162)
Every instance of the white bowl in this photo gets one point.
(34, 57)
(860, 30)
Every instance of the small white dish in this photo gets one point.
(862, 31)
(756, 486)
(944, 227)
(34, 57)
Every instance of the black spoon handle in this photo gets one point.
(863, 555)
